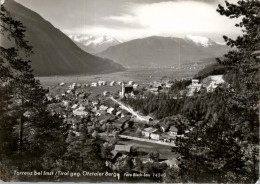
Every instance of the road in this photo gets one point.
(130, 110)
(172, 144)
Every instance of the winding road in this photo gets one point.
(130, 110)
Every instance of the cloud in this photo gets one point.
(166, 18)
(123, 34)
(123, 18)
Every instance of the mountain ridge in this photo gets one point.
(54, 52)
(161, 51)
(94, 44)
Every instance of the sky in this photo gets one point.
(132, 19)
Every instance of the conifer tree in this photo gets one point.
(29, 134)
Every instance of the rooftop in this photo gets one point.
(123, 148)
(150, 130)
(173, 129)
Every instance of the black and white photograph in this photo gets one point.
(130, 91)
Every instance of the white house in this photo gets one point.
(113, 83)
(194, 86)
(111, 110)
(155, 136)
(212, 82)
(103, 108)
(135, 86)
(74, 106)
(148, 131)
(173, 131)
(94, 103)
(131, 82)
(102, 83)
(80, 112)
(94, 84)
(106, 93)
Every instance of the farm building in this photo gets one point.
(211, 82)
(164, 127)
(126, 90)
(94, 84)
(103, 108)
(156, 88)
(173, 131)
(102, 83)
(135, 86)
(111, 110)
(194, 86)
(113, 83)
(148, 131)
(123, 148)
(130, 82)
(106, 93)
(80, 112)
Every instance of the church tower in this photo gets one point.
(123, 90)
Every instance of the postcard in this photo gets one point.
(130, 91)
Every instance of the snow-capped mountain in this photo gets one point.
(200, 40)
(164, 51)
(94, 44)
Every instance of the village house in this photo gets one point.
(80, 112)
(168, 85)
(65, 103)
(194, 87)
(107, 118)
(135, 86)
(212, 82)
(111, 110)
(156, 88)
(74, 106)
(130, 82)
(126, 90)
(151, 132)
(155, 136)
(168, 138)
(113, 83)
(173, 162)
(164, 127)
(100, 113)
(123, 148)
(94, 109)
(102, 83)
(94, 84)
(121, 123)
(173, 131)
(95, 103)
(103, 108)
(106, 93)
(118, 113)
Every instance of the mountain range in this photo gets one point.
(94, 44)
(54, 52)
(159, 51)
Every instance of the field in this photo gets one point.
(141, 76)
(164, 151)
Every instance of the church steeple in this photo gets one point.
(123, 90)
